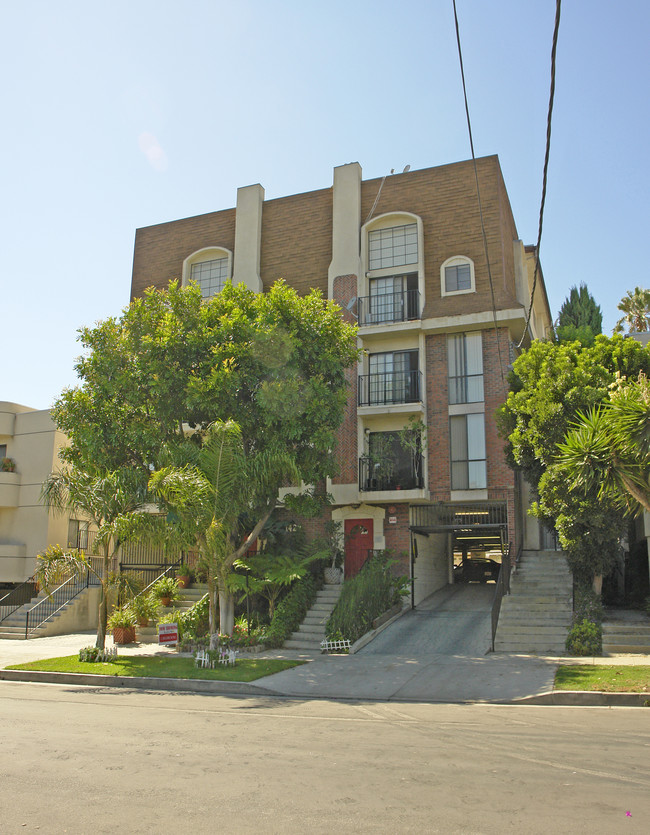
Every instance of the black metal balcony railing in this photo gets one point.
(390, 474)
(390, 387)
(389, 307)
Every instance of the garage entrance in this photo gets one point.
(456, 543)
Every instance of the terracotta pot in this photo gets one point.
(124, 634)
(183, 581)
(165, 601)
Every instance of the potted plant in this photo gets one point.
(144, 607)
(332, 573)
(7, 465)
(165, 590)
(122, 625)
(184, 576)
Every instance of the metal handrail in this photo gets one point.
(21, 595)
(502, 587)
(390, 387)
(57, 600)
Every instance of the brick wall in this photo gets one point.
(160, 250)
(445, 198)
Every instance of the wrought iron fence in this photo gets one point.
(389, 307)
(384, 473)
(57, 599)
(390, 387)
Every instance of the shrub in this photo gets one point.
(195, 622)
(363, 598)
(587, 605)
(585, 638)
(290, 612)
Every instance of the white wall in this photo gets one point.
(431, 570)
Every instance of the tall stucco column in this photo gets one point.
(248, 237)
(346, 222)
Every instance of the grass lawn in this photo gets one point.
(161, 667)
(609, 679)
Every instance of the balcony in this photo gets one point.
(388, 308)
(9, 489)
(390, 388)
(388, 474)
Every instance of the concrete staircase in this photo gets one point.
(626, 631)
(189, 596)
(312, 629)
(536, 616)
(72, 616)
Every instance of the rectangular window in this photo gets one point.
(3, 450)
(211, 276)
(458, 277)
(393, 378)
(78, 534)
(468, 464)
(393, 247)
(465, 366)
(393, 298)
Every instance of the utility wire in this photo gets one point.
(478, 194)
(544, 179)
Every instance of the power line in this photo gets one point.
(478, 193)
(544, 178)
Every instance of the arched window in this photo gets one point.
(393, 263)
(210, 268)
(457, 276)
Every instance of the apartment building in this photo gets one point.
(29, 448)
(421, 464)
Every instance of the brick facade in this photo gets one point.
(296, 244)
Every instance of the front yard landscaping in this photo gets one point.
(604, 678)
(161, 667)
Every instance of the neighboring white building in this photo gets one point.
(29, 444)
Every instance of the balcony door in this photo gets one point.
(358, 541)
(393, 377)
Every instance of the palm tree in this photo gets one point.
(113, 501)
(210, 498)
(636, 309)
(608, 450)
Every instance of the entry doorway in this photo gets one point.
(359, 538)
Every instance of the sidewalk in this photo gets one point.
(497, 678)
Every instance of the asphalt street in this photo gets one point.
(95, 760)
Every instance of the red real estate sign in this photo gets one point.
(167, 633)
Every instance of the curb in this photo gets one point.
(585, 698)
(370, 636)
(187, 685)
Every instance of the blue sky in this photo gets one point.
(119, 114)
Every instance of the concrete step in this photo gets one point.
(311, 646)
(305, 629)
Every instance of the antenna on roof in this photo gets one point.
(350, 305)
(407, 168)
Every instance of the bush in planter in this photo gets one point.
(165, 589)
(145, 608)
(122, 625)
(184, 575)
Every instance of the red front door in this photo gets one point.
(358, 541)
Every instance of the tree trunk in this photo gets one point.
(597, 584)
(103, 604)
(212, 610)
(226, 612)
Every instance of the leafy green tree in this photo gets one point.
(635, 306)
(580, 318)
(551, 385)
(154, 380)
